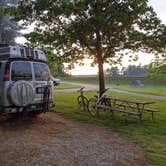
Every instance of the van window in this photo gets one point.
(22, 52)
(21, 71)
(41, 71)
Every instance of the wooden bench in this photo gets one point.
(127, 113)
(151, 110)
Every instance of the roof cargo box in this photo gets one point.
(8, 51)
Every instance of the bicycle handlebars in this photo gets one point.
(105, 91)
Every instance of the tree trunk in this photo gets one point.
(100, 62)
(101, 77)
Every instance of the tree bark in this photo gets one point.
(101, 78)
(100, 63)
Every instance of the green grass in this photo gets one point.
(66, 86)
(156, 86)
(151, 134)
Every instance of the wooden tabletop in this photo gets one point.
(130, 100)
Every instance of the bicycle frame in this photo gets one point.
(93, 102)
(101, 99)
(82, 100)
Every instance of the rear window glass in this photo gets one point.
(41, 71)
(21, 71)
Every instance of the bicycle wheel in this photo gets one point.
(92, 106)
(105, 102)
(83, 102)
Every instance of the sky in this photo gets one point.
(159, 7)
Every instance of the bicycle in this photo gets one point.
(82, 100)
(96, 100)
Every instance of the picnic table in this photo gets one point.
(127, 106)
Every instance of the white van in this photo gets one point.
(24, 80)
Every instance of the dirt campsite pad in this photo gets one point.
(55, 141)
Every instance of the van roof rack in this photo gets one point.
(20, 51)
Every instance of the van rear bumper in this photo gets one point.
(34, 107)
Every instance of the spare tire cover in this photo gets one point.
(21, 93)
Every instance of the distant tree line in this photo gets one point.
(155, 68)
(130, 71)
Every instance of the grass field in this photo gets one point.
(151, 134)
(156, 86)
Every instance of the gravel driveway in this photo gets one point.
(55, 141)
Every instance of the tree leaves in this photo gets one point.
(121, 24)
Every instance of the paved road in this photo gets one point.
(89, 87)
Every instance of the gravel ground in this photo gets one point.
(55, 141)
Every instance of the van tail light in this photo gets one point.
(6, 75)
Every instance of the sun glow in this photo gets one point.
(85, 69)
(88, 69)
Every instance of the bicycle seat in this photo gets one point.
(81, 89)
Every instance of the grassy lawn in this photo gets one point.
(151, 134)
(155, 86)
(66, 86)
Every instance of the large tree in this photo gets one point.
(98, 28)
(9, 29)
